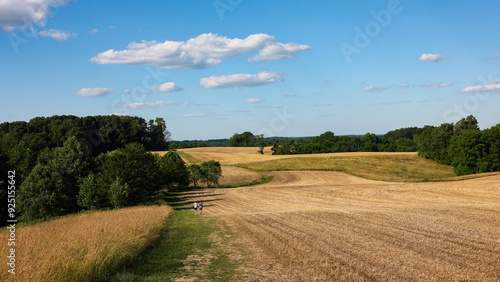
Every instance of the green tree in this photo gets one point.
(433, 143)
(133, 166)
(467, 151)
(173, 170)
(196, 173)
(93, 193)
(119, 193)
(212, 171)
(468, 123)
(43, 195)
(245, 139)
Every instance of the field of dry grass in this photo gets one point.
(83, 247)
(327, 225)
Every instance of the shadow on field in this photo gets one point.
(183, 199)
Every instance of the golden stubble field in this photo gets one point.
(327, 225)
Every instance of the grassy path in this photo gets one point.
(191, 248)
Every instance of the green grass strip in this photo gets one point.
(185, 234)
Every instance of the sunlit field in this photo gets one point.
(332, 225)
(83, 247)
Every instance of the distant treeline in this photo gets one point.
(64, 164)
(462, 145)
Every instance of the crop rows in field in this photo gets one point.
(324, 225)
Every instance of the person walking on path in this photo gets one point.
(200, 206)
(195, 207)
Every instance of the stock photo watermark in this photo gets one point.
(224, 6)
(363, 36)
(11, 221)
(33, 25)
(278, 122)
(470, 103)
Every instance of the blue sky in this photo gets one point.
(281, 68)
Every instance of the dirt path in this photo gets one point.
(331, 225)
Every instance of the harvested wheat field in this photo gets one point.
(328, 225)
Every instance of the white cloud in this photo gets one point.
(241, 80)
(167, 87)
(436, 85)
(279, 51)
(127, 91)
(58, 35)
(147, 105)
(93, 31)
(290, 95)
(327, 104)
(489, 88)
(404, 85)
(431, 57)
(203, 51)
(271, 106)
(94, 92)
(118, 114)
(22, 13)
(198, 115)
(374, 88)
(329, 80)
(495, 81)
(252, 101)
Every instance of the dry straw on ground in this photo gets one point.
(83, 247)
(326, 225)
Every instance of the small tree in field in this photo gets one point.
(196, 173)
(212, 171)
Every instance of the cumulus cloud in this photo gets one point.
(19, 14)
(167, 87)
(436, 85)
(147, 105)
(204, 51)
(374, 88)
(241, 80)
(253, 101)
(58, 35)
(94, 92)
(431, 57)
(479, 89)
(279, 51)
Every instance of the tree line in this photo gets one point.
(462, 144)
(60, 171)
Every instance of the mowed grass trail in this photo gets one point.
(191, 248)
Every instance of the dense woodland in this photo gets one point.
(65, 164)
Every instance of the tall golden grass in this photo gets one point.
(83, 247)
